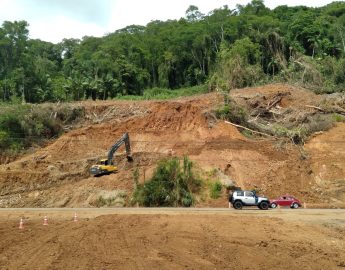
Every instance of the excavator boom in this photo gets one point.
(124, 139)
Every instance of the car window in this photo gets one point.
(240, 193)
(249, 194)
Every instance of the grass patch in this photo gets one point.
(163, 93)
(338, 118)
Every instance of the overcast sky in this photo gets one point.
(53, 20)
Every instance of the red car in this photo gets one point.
(286, 201)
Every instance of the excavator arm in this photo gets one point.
(124, 139)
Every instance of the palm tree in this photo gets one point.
(315, 43)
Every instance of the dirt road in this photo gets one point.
(195, 238)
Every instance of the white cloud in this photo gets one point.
(61, 27)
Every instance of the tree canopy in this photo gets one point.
(224, 48)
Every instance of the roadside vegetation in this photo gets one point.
(177, 182)
(174, 183)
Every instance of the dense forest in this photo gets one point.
(223, 49)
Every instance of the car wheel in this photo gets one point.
(273, 205)
(238, 205)
(295, 205)
(264, 205)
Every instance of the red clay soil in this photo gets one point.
(57, 175)
(327, 155)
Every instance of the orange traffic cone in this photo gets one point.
(75, 217)
(21, 224)
(45, 220)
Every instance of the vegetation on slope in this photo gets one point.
(170, 185)
(163, 93)
(22, 126)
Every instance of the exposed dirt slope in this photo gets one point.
(57, 175)
(327, 155)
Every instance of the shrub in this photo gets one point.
(170, 185)
(318, 123)
(232, 112)
(11, 132)
(338, 117)
(297, 135)
(216, 189)
(118, 199)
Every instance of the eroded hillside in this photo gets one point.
(57, 175)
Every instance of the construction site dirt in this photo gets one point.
(138, 238)
(58, 175)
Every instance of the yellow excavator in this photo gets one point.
(107, 166)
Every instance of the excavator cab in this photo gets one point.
(106, 166)
(103, 161)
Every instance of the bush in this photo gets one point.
(338, 117)
(232, 112)
(318, 123)
(11, 132)
(216, 189)
(296, 135)
(170, 185)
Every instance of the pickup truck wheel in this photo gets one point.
(238, 205)
(295, 205)
(264, 205)
(273, 205)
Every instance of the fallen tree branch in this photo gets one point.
(239, 126)
(333, 109)
(315, 107)
(274, 102)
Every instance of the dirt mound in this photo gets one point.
(290, 96)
